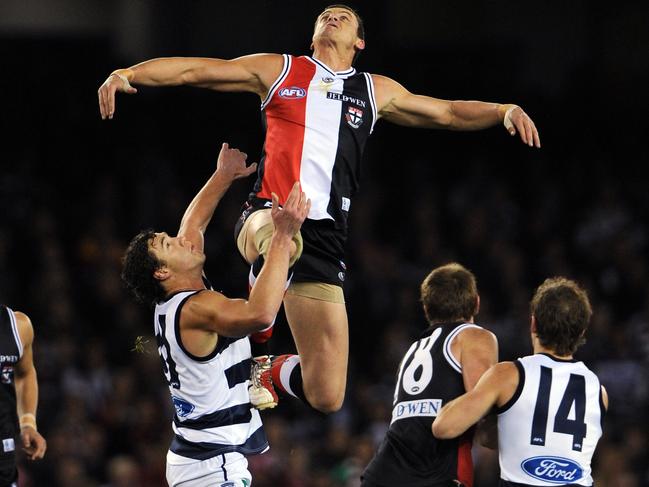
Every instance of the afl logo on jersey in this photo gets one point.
(553, 469)
(292, 92)
(354, 117)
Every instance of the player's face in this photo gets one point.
(337, 24)
(177, 253)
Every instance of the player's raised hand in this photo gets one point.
(516, 120)
(106, 93)
(289, 218)
(232, 163)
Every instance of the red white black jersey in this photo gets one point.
(410, 456)
(548, 431)
(317, 122)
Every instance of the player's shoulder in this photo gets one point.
(202, 297)
(261, 63)
(505, 369)
(382, 82)
(265, 56)
(25, 327)
(476, 333)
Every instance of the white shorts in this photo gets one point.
(226, 470)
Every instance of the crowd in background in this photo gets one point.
(74, 197)
(104, 407)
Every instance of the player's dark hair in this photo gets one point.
(360, 31)
(562, 312)
(138, 266)
(449, 293)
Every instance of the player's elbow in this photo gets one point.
(441, 430)
(261, 319)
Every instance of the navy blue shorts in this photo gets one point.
(323, 254)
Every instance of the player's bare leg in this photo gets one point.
(319, 328)
(321, 335)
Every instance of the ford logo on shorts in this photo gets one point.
(292, 92)
(553, 469)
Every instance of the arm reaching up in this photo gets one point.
(231, 165)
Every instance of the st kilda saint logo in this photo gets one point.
(354, 116)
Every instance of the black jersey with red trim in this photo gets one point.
(317, 122)
(410, 456)
(10, 353)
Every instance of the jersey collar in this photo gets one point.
(340, 74)
(557, 359)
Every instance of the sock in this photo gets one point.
(264, 335)
(286, 372)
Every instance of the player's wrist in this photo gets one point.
(28, 420)
(125, 75)
(282, 238)
(223, 177)
(505, 114)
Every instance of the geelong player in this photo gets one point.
(318, 114)
(202, 335)
(448, 359)
(550, 407)
(18, 394)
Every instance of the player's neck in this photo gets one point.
(184, 283)
(332, 57)
(538, 348)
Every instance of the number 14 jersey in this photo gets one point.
(548, 430)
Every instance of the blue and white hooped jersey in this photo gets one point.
(548, 431)
(213, 414)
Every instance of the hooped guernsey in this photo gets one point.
(317, 122)
(548, 430)
(210, 394)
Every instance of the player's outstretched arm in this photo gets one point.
(237, 317)
(396, 104)
(33, 443)
(254, 73)
(492, 389)
(230, 165)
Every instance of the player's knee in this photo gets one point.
(326, 401)
(263, 237)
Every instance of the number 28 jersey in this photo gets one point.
(548, 431)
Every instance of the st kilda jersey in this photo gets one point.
(11, 350)
(317, 122)
(410, 456)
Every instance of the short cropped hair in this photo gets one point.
(562, 312)
(138, 266)
(449, 293)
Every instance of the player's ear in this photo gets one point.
(533, 325)
(360, 44)
(162, 273)
(477, 305)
